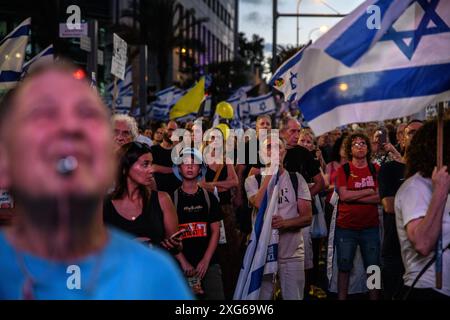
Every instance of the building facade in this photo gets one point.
(209, 30)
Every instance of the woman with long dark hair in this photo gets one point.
(135, 206)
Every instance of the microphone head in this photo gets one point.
(67, 165)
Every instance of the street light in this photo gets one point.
(328, 5)
(298, 28)
(322, 29)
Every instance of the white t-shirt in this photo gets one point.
(411, 202)
(290, 242)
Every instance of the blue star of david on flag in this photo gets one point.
(430, 15)
(263, 106)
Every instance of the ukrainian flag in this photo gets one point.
(190, 102)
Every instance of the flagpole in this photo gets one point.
(439, 160)
(113, 105)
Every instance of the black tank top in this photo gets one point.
(150, 223)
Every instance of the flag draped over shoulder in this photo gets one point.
(124, 93)
(12, 53)
(261, 256)
(358, 73)
(190, 102)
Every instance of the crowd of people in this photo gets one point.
(92, 179)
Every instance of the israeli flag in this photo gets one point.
(240, 93)
(169, 96)
(358, 73)
(44, 57)
(12, 53)
(285, 78)
(261, 105)
(238, 99)
(124, 93)
(159, 110)
(261, 256)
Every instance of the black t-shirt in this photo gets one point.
(149, 224)
(192, 210)
(299, 159)
(390, 178)
(167, 182)
(225, 197)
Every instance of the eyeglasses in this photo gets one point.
(125, 133)
(359, 144)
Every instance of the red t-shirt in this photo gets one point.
(355, 215)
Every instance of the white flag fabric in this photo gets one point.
(357, 74)
(261, 105)
(238, 99)
(165, 99)
(12, 53)
(261, 256)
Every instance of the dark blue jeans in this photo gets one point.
(346, 242)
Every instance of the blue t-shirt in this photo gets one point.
(124, 269)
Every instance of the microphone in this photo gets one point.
(67, 165)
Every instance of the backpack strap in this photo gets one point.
(372, 170)
(294, 179)
(346, 167)
(175, 198)
(207, 199)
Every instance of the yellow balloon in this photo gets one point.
(225, 110)
(225, 129)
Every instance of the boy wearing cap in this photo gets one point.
(199, 214)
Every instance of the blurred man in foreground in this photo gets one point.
(57, 158)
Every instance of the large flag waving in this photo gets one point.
(190, 102)
(357, 73)
(286, 77)
(12, 53)
(261, 255)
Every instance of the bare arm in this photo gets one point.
(169, 214)
(304, 218)
(424, 232)
(231, 181)
(388, 204)
(326, 182)
(353, 195)
(318, 185)
(203, 265)
(161, 169)
(371, 199)
(170, 220)
(257, 199)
